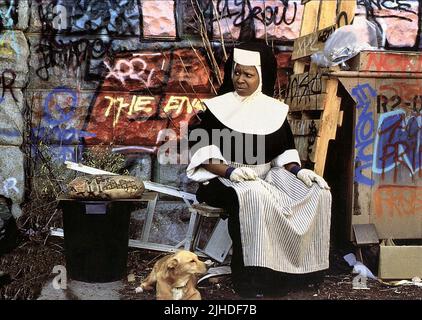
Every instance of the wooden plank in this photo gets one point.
(364, 130)
(149, 196)
(310, 12)
(306, 45)
(304, 127)
(365, 234)
(306, 84)
(328, 127)
(345, 12)
(387, 61)
(206, 208)
(315, 102)
(308, 26)
(327, 14)
(304, 91)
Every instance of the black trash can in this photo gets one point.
(96, 237)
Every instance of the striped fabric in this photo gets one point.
(284, 224)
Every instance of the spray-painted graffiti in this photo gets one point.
(56, 126)
(396, 94)
(82, 16)
(121, 116)
(8, 78)
(280, 20)
(64, 42)
(136, 68)
(274, 12)
(398, 143)
(276, 19)
(303, 90)
(394, 200)
(393, 62)
(364, 94)
(141, 108)
(8, 14)
(68, 55)
(391, 16)
(137, 119)
(8, 18)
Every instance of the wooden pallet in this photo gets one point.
(314, 104)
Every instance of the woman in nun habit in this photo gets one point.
(279, 213)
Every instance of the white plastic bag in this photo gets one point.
(345, 43)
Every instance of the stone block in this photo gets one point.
(190, 25)
(398, 19)
(52, 65)
(159, 19)
(59, 115)
(14, 15)
(12, 173)
(14, 52)
(11, 118)
(75, 17)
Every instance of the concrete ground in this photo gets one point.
(77, 290)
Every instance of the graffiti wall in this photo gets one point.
(388, 150)
(14, 53)
(118, 72)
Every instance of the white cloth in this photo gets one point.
(254, 114)
(286, 157)
(194, 170)
(284, 225)
(246, 57)
(260, 114)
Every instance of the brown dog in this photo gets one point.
(175, 277)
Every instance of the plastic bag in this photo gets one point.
(345, 43)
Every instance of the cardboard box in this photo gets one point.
(400, 262)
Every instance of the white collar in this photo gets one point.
(256, 114)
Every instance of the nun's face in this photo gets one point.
(245, 80)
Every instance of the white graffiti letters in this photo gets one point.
(135, 69)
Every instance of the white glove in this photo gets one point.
(307, 176)
(243, 174)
